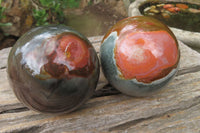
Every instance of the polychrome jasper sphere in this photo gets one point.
(139, 55)
(53, 69)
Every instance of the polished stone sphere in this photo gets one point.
(139, 55)
(53, 69)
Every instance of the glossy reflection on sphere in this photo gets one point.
(139, 55)
(53, 69)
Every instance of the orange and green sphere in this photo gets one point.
(139, 55)
(53, 69)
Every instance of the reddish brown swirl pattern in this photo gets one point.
(71, 57)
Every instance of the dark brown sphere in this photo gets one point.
(53, 69)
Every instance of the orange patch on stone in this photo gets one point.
(75, 50)
(146, 56)
(168, 6)
(182, 6)
(173, 9)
